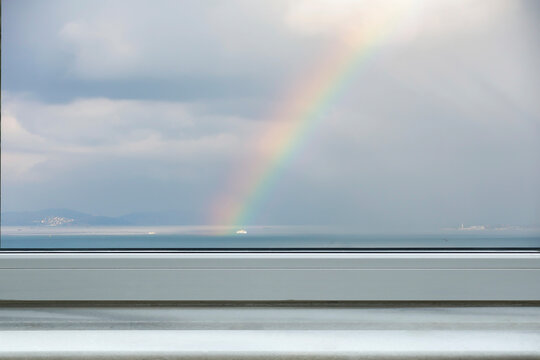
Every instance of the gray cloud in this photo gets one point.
(116, 107)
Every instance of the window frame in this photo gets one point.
(211, 275)
(269, 276)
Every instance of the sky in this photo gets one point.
(115, 107)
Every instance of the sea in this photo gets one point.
(258, 238)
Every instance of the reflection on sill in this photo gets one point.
(199, 332)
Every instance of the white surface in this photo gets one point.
(269, 343)
(199, 332)
(270, 276)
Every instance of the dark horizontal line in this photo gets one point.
(265, 303)
(277, 250)
(269, 268)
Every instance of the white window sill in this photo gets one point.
(426, 332)
(172, 276)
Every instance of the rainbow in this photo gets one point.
(290, 127)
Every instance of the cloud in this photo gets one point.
(100, 50)
(15, 137)
(21, 150)
(393, 21)
(120, 106)
(171, 40)
(35, 132)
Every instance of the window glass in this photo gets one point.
(278, 124)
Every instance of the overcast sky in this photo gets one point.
(112, 107)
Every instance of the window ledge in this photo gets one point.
(389, 332)
(173, 276)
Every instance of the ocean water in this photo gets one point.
(257, 238)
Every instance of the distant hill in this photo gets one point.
(59, 217)
(67, 217)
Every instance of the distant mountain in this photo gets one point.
(59, 217)
(67, 217)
